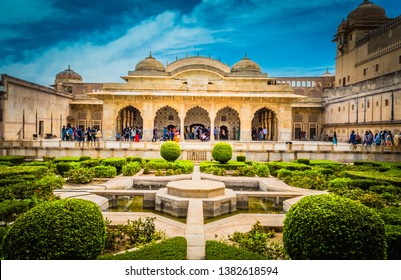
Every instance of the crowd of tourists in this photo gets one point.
(72, 133)
(382, 138)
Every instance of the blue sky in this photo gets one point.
(103, 40)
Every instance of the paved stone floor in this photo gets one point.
(195, 231)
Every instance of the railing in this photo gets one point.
(197, 150)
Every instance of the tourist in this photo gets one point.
(154, 139)
(397, 139)
(335, 138)
(389, 138)
(352, 138)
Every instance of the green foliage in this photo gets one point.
(83, 158)
(241, 158)
(222, 152)
(67, 159)
(186, 166)
(170, 151)
(391, 215)
(169, 249)
(91, 163)
(303, 161)
(393, 238)
(392, 176)
(131, 234)
(261, 169)
(62, 168)
(44, 187)
(230, 165)
(216, 171)
(60, 230)
(48, 158)
(15, 160)
(80, 175)
(159, 172)
(131, 168)
(146, 170)
(307, 179)
(254, 241)
(118, 163)
(325, 227)
(103, 171)
(219, 251)
(3, 232)
(134, 158)
(12, 209)
(275, 166)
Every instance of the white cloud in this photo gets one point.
(163, 35)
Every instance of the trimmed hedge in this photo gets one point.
(103, 171)
(80, 175)
(170, 151)
(67, 159)
(219, 251)
(393, 238)
(275, 166)
(68, 229)
(230, 165)
(169, 249)
(222, 152)
(15, 160)
(333, 228)
(131, 168)
(118, 163)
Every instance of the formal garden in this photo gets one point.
(360, 218)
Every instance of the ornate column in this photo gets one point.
(284, 127)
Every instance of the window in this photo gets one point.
(339, 109)
(365, 71)
(339, 81)
(344, 81)
(223, 118)
(377, 67)
(352, 107)
(399, 59)
(171, 118)
(362, 105)
(368, 104)
(386, 102)
(350, 37)
(377, 103)
(348, 78)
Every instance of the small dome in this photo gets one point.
(367, 11)
(327, 74)
(68, 75)
(150, 64)
(246, 65)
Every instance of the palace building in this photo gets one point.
(201, 92)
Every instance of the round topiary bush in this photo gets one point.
(68, 229)
(222, 152)
(330, 227)
(170, 150)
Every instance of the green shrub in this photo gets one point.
(219, 251)
(80, 175)
(131, 168)
(170, 151)
(103, 171)
(44, 187)
(135, 159)
(262, 170)
(12, 209)
(325, 227)
(118, 163)
(230, 165)
(241, 158)
(60, 230)
(146, 170)
(169, 172)
(391, 215)
(62, 168)
(91, 163)
(83, 158)
(222, 152)
(275, 166)
(303, 161)
(283, 173)
(48, 158)
(159, 172)
(15, 160)
(393, 238)
(3, 232)
(177, 172)
(67, 159)
(169, 249)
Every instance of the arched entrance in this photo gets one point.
(227, 123)
(195, 119)
(129, 117)
(264, 119)
(166, 117)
